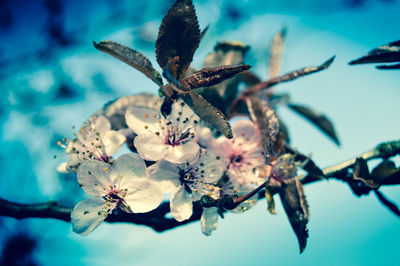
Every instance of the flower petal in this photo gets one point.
(245, 129)
(209, 220)
(100, 124)
(87, 215)
(143, 195)
(181, 204)
(212, 165)
(165, 174)
(93, 176)
(181, 112)
(127, 168)
(113, 140)
(150, 147)
(143, 120)
(62, 168)
(183, 153)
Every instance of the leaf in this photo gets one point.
(296, 208)
(130, 57)
(226, 53)
(386, 173)
(283, 130)
(267, 122)
(389, 67)
(250, 79)
(288, 77)
(382, 54)
(361, 172)
(207, 77)
(208, 113)
(179, 35)
(204, 31)
(275, 53)
(319, 120)
(270, 200)
(306, 162)
(388, 204)
(168, 73)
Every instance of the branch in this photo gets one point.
(157, 219)
(384, 150)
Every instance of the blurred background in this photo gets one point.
(52, 78)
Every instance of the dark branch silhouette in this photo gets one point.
(157, 218)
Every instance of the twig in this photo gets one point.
(157, 219)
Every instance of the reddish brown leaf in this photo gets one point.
(179, 35)
(207, 77)
(382, 54)
(250, 79)
(275, 53)
(208, 113)
(130, 57)
(267, 122)
(296, 208)
(288, 77)
(386, 173)
(319, 120)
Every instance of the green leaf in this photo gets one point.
(179, 35)
(130, 57)
(319, 120)
(208, 113)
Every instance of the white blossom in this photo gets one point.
(123, 185)
(170, 138)
(94, 141)
(242, 154)
(188, 181)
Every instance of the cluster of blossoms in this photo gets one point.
(175, 155)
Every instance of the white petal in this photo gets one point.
(101, 124)
(181, 112)
(244, 129)
(128, 167)
(209, 220)
(62, 168)
(143, 196)
(113, 140)
(204, 137)
(93, 176)
(150, 147)
(183, 153)
(181, 204)
(166, 174)
(143, 120)
(212, 165)
(87, 215)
